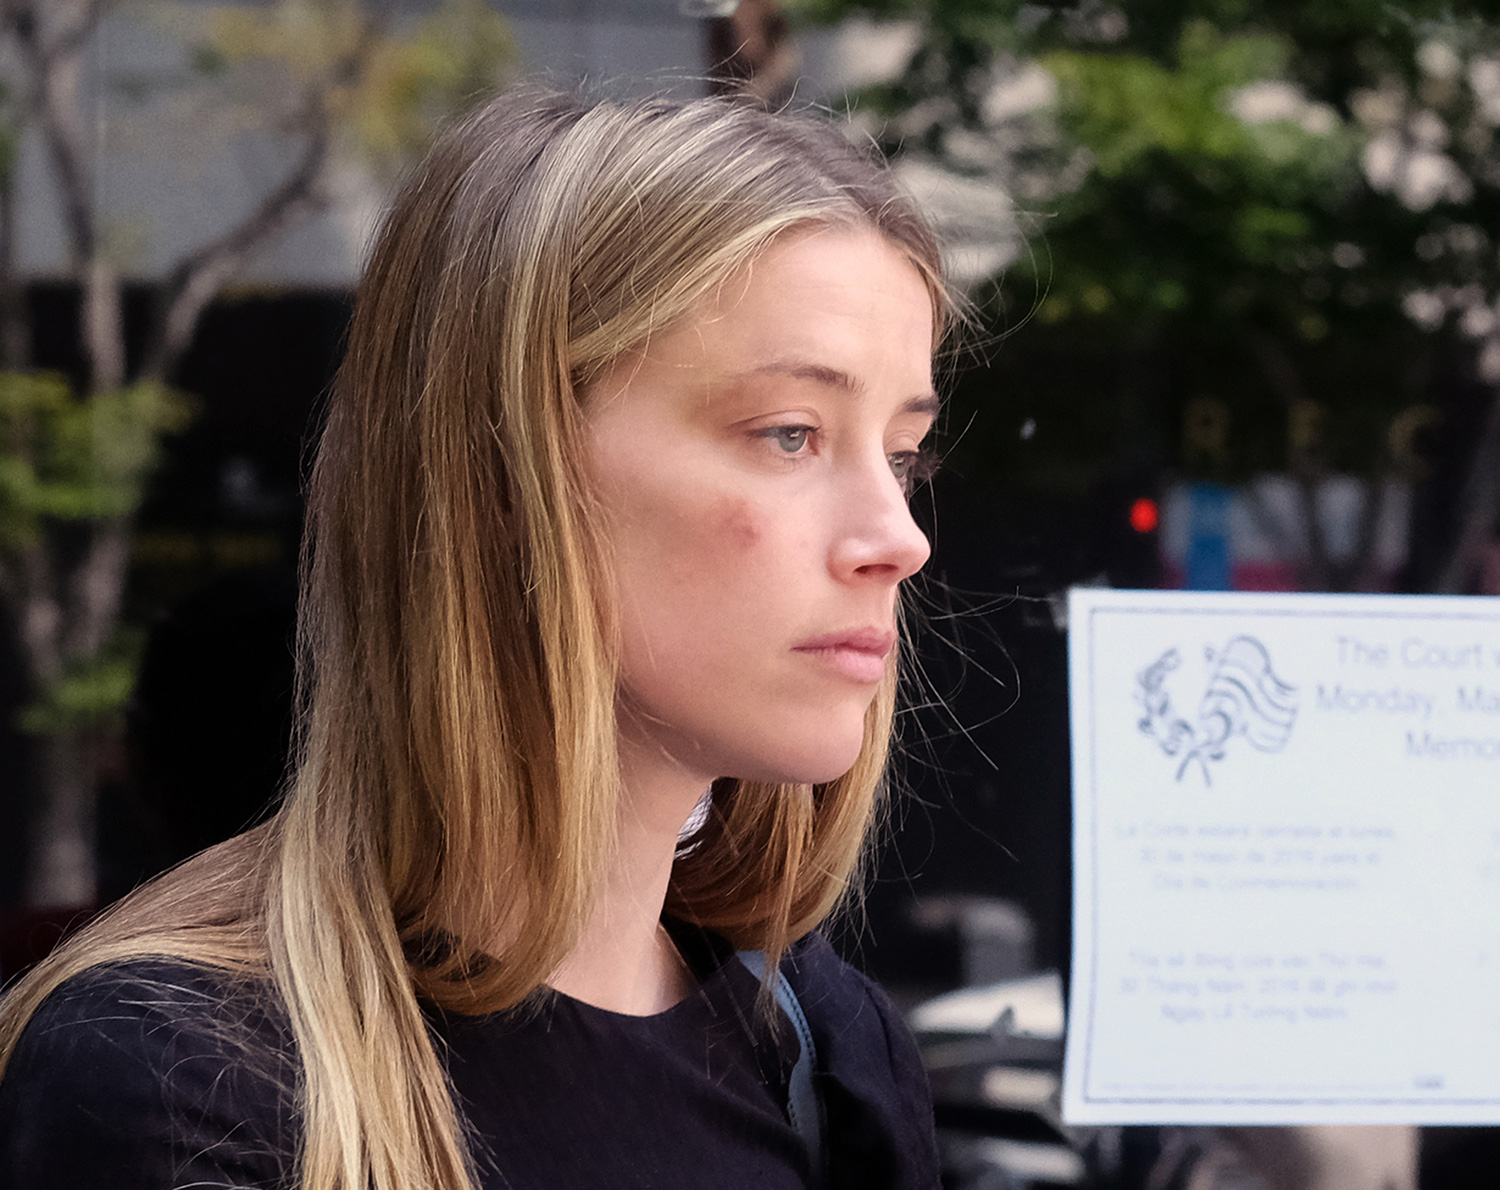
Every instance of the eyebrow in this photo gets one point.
(928, 402)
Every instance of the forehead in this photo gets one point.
(844, 301)
(841, 307)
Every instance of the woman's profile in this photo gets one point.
(597, 664)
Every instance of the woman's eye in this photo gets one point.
(911, 467)
(791, 439)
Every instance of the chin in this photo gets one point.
(815, 763)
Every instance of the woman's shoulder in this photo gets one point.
(150, 1072)
(874, 1089)
(149, 1011)
(846, 1002)
(148, 987)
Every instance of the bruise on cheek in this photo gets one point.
(736, 523)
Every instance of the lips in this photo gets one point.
(858, 655)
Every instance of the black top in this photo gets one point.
(154, 1074)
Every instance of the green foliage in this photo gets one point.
(90, 693)
(64, 458)
(1189, 208)
(1202, 218)
(1125, 106)
(975, 15)
(413, 75)
(462, 49)
(10, 132)
(67, 461)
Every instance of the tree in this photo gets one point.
(1266, 206)
(328, 78)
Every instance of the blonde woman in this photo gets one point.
(610, 506)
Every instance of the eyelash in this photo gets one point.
(921, 464)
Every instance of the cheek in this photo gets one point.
(714, 551)
(737, 524)
(704, 539)
(693, 592)
(691, 558)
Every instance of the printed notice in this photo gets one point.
(1286, 856)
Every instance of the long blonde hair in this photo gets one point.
(456, 776)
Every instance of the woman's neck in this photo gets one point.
(624, 960)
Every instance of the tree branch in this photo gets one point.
(1358, 573)
(48, 101)
(1482, 494)
(94, 589)
(199, 276)
(71, 40)
(39, 615)
(1317, 567)
(52, 58)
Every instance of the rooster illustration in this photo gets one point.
(1244, 697)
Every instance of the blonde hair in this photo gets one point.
(455, 782)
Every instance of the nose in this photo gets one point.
(877, 539)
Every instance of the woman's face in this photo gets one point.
(754, 466)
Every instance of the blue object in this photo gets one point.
(803, 1107)
(1207, 564)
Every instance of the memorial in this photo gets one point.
(1286, 852)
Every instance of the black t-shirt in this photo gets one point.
(154, 1074)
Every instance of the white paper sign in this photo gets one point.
(1286, 859)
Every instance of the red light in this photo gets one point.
(1144, 516)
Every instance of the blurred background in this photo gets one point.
(1235, 284)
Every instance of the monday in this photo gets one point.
(1394, 700)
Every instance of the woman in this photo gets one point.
(610, 504)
